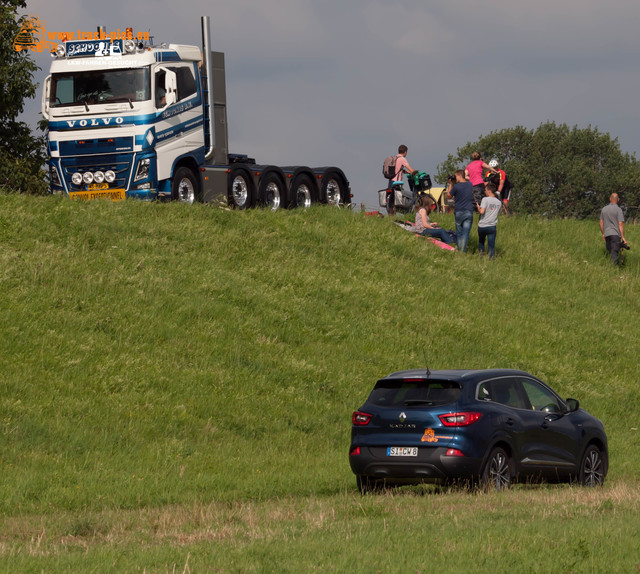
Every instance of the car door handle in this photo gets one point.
(510, 422)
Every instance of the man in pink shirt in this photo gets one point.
(402, 166)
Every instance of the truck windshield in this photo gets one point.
(100, 87)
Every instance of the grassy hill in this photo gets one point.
(177, 384)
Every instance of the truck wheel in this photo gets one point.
(334, 189)
(184, 186)
(272, 192)
(240, 190)
(302, 192)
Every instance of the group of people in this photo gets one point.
(472, 191)
(468, 196)
(484, 188)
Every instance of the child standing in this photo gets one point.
(487, 226)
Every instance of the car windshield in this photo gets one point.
(100, 87)
(408, 392)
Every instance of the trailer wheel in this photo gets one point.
(184, 186)
(302, 192)
(240, 190)
(334, 189)
(272, 192)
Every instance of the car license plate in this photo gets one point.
(97, 186)
(402, 451)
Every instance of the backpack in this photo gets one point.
(495, 179)
(389, 167)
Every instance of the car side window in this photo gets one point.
(541, 398)
(505, 391)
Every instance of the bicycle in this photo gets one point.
(405, 200)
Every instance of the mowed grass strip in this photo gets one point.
(418, 529)
(161, 356)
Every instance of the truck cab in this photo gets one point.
(123, 122)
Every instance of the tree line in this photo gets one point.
(557, 170)
(22, 153)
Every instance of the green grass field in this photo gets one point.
(177, 384)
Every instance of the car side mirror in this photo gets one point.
(573, 405)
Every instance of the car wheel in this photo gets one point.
(497, 470)
(592, 467)
(184, 186)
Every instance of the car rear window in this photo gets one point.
(408, 392)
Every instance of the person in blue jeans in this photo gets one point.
(424, 226)
(487, 226)
(462, 193)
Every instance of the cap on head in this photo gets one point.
(493, 163)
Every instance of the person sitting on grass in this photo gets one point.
(424, 226)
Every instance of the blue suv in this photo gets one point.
(489, 426)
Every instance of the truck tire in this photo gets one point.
(334, 189)
(240, 189)
(272, 192)
(184, 186)
(302, 192)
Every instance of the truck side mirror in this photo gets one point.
(171, 87)
(168, 94)
(46, 94)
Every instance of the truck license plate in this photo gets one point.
(114, 194)
(402, 451)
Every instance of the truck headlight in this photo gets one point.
(109, 176)
(87, 177)
(98, 177)
(142, 171)
(76, 178)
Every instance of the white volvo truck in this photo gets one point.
(130, 119)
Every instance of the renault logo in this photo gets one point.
(402, 417)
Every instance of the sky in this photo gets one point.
(345, 82)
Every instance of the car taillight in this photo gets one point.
(459, 419)
(355, 451)
(360, 419)
(454, 452)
